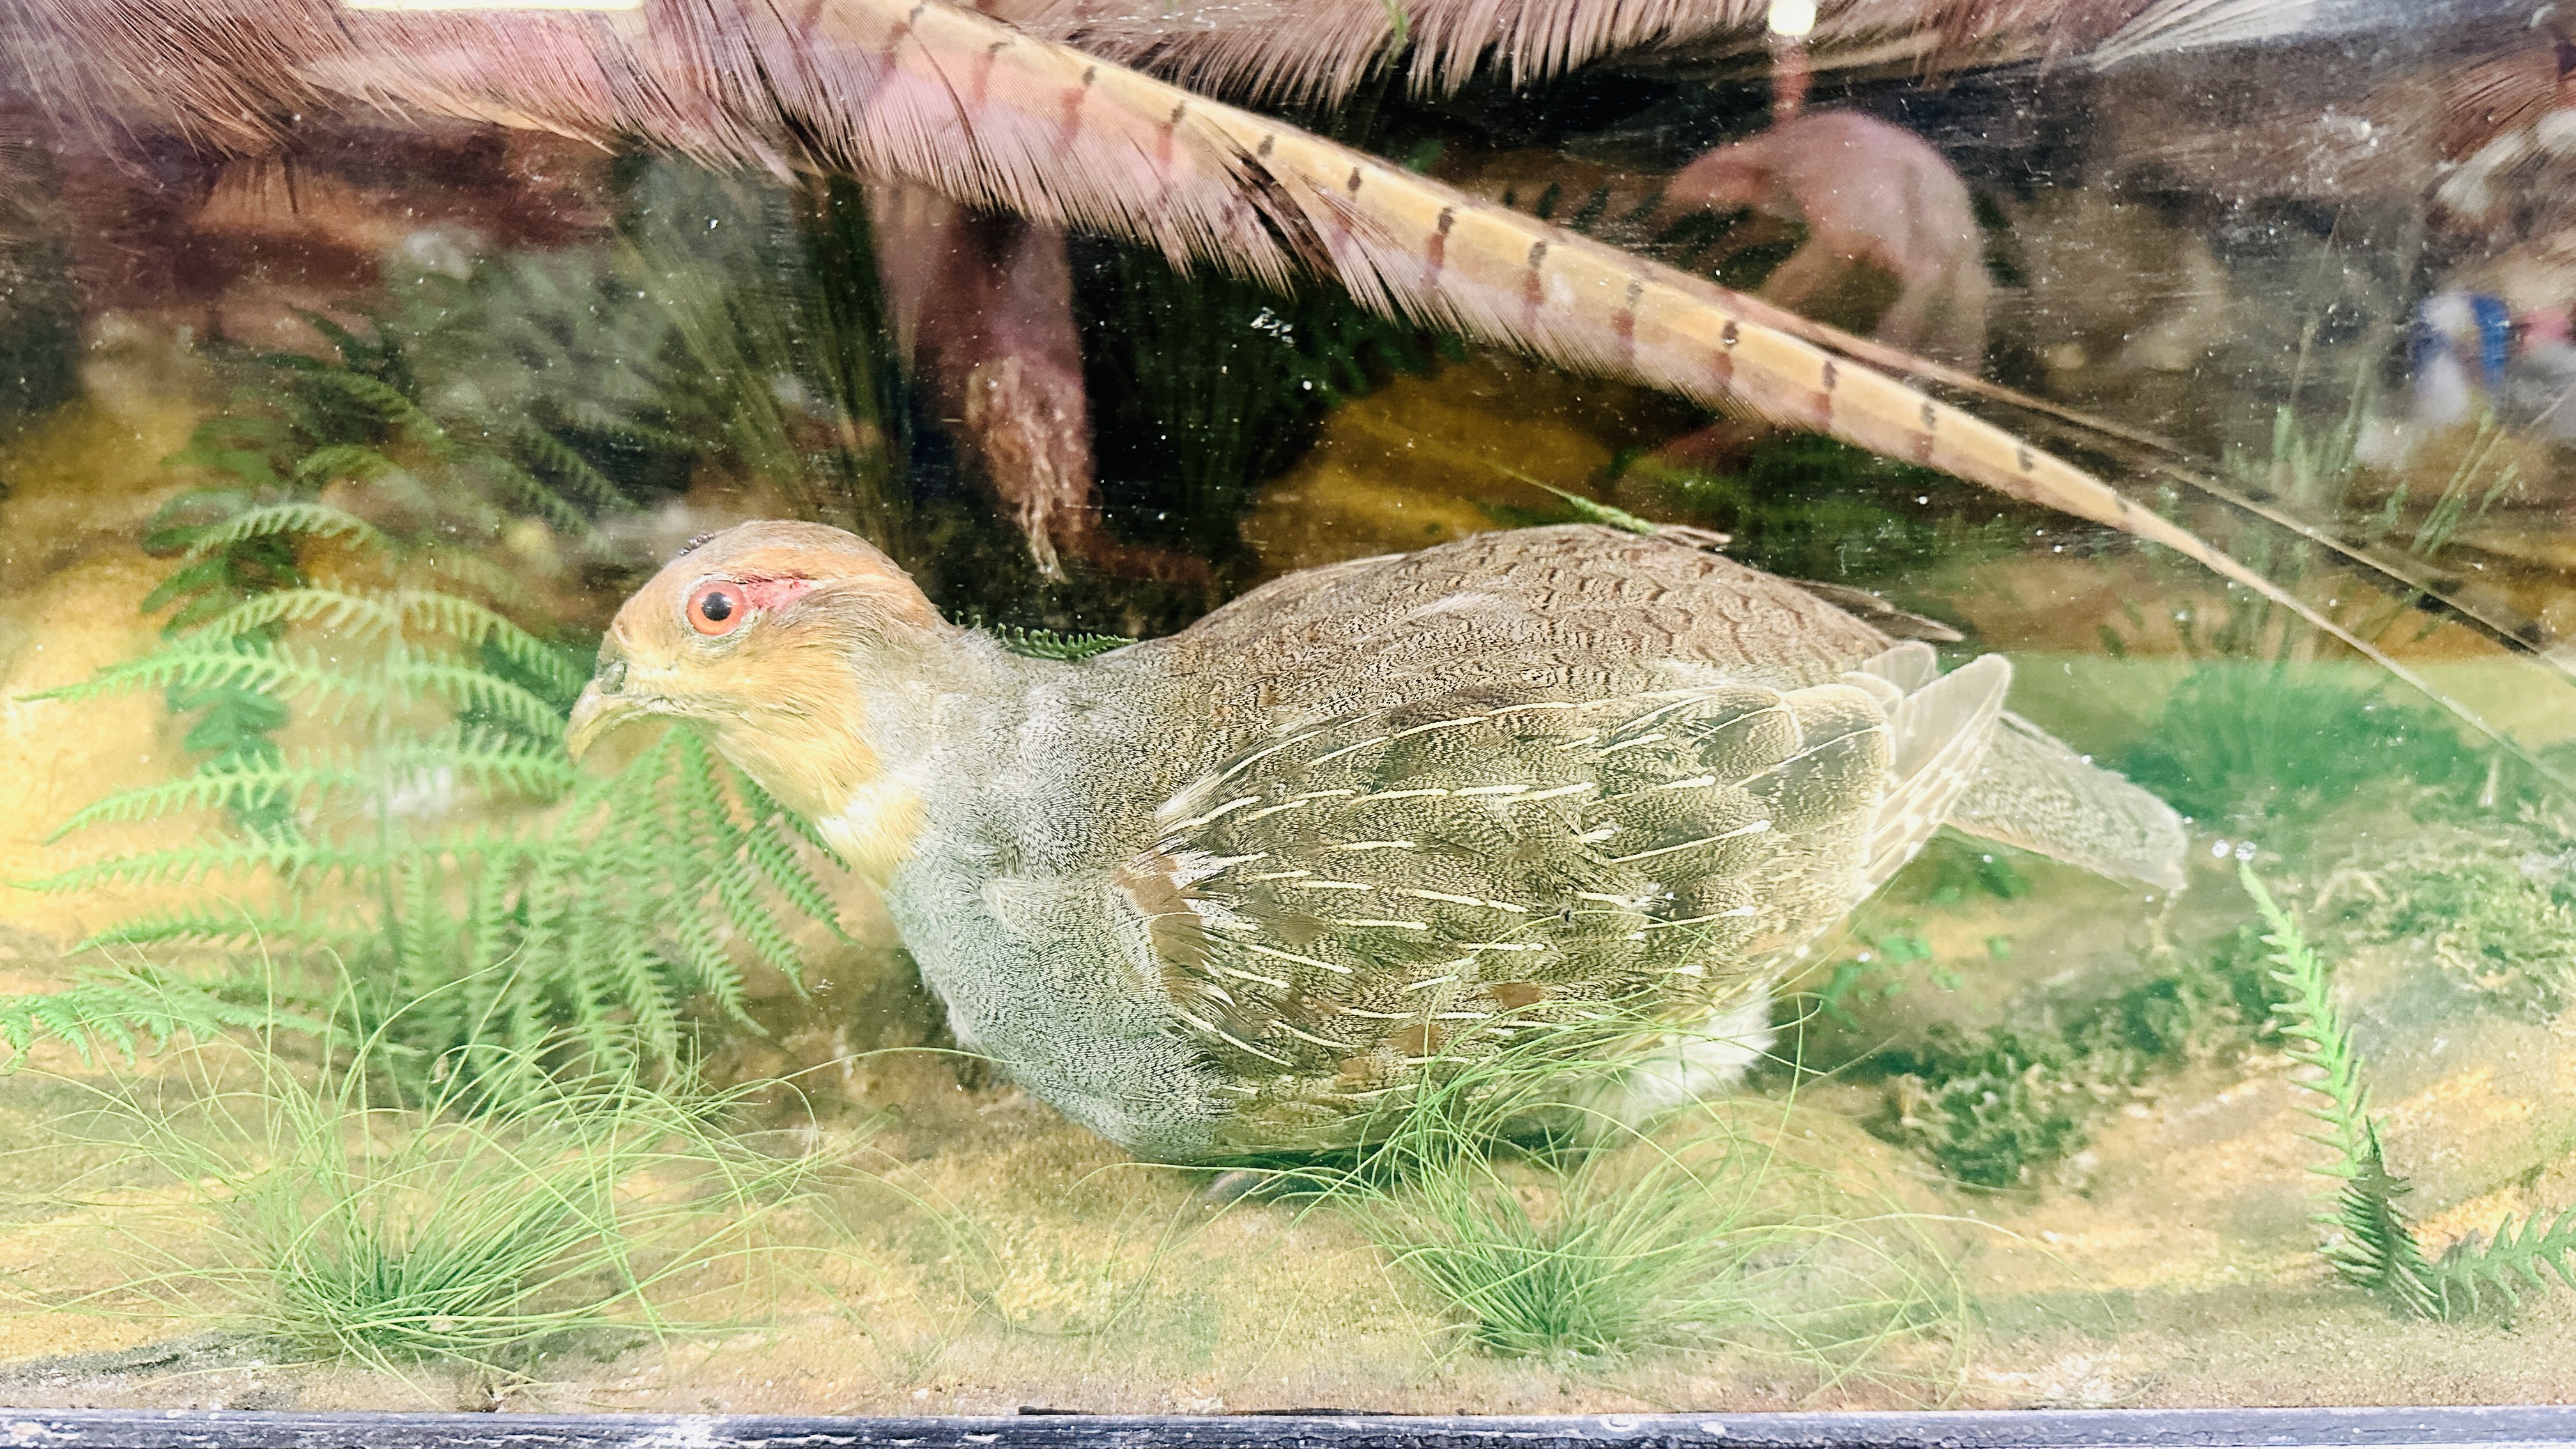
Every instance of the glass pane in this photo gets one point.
(1211, 708)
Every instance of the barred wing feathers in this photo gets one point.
(1330, 912)
(1941, 728)
(2035, 793)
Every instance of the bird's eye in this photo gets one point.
(716, 608)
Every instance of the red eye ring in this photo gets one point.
(717, 607)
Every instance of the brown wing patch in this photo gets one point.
(1171, 923)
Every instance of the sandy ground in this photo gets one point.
(976, 1254)
(2181, 1275)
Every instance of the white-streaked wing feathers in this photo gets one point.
(1358, 896)
(1939, 731)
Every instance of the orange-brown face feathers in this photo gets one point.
(757, 633)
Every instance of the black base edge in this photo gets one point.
(2376, 1428)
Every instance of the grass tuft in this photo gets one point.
(348, 1221)
(1516, 1194)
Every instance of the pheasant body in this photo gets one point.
(1230, 891)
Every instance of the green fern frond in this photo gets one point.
(593, 951)
(2371, 1244)
(2374, 1246)
(271, 932)
(416, 930)
(600, 927)
(230, 664)
(1050, 644)
(2313, 1025)
(595, 928)
(588, 485)
(303, 861)
(385, 401)
(2511, 1263)
(722, 985)
(479, 760)
(2378, 1249)
(352, 615)
(531, 495)
(341, 461)
(264, 785)
(287, 520)
(702, 953)
(117, 1012)
(787, 875)
(404, 678)
(376, 357)
(488, 919)
(204, 584)
(409, 677)
(399, 613)
(765, 807)
(735, 889)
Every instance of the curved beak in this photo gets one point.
(597, 713)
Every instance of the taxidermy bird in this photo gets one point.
(1228, 891)
(1871, 195)
(1004, 118)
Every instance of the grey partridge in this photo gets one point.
(1234, 890)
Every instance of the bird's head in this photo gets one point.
(761, 633)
